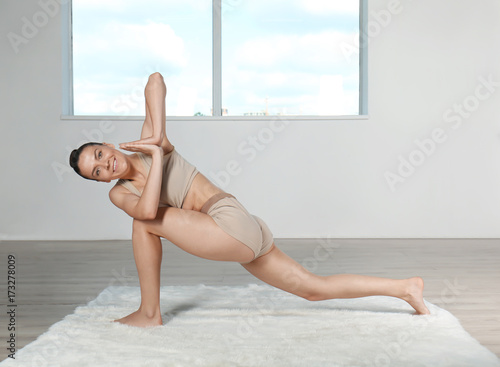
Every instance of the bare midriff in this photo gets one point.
(200, 191)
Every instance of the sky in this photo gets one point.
(280, 56)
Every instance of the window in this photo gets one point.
(117, 44)
(219, 57)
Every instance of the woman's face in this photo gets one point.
(102, 163)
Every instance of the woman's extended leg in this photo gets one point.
(194, 232)
(279, 270)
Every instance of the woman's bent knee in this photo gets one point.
(148, 225)
(315, 290)
(139, 225)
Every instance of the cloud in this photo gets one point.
(152, 43)
(320, 52)
(263, 52)
(301, 74)
(158, 40)
(134, 7)
(330, 6)
(122, 97)
(295, 93)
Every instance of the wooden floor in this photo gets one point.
(52, 278)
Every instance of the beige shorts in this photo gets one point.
(235, 220)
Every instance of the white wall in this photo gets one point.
(315, 179)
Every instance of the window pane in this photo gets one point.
(286, 57)
(117, 44)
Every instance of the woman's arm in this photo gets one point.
(144, 207)
(153, 129)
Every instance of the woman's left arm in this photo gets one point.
(153, 129)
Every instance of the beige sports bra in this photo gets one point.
(178, 175)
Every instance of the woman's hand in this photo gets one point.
(152, 140)
(149, 149)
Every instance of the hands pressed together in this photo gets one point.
(147, 146)
(138, 146)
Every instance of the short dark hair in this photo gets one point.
(75, 157)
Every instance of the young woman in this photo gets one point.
(168, 197)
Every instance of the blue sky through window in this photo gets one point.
(279, 56)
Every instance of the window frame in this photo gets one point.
(67, 75)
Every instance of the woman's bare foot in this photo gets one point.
(414, 295)
(141, 319)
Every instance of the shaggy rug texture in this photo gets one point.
(254, 325)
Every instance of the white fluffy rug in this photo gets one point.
(255, 325)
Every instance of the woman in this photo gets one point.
(169, 198)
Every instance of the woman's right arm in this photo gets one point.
(144, 207)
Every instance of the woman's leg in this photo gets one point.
(279, 270)
(194, 232)
(155, 94)
(198, 234)
(147, 255)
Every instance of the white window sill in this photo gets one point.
(214, 118)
